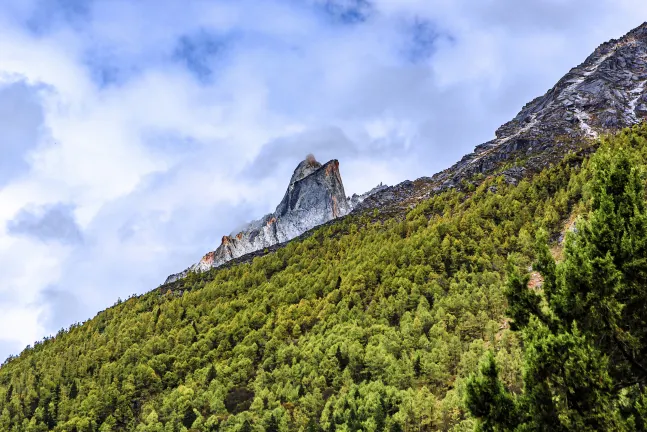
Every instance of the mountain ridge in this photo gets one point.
(597, 96)
(604, 93)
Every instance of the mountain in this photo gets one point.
(315, 195)
(604, 94)
(376, 320)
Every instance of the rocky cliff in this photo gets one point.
(607, 92)
(603, 94)
(315, 195)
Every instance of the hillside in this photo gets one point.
(374, 321)
(364, 324)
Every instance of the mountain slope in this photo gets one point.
(360, 322)
(370, 322)
(605, 93)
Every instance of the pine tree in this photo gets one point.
(272, 424)
(487, 398)
(380, 416)
(417, 368)
(74, 390)
(313, 426)
(189, 417)
(246, 426)
(603, 282)
(341, 359)
(211, 375)
(395, 427)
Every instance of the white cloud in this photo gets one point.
(161, 148)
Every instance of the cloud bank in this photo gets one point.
(133, 135)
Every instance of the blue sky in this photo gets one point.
(133, 135)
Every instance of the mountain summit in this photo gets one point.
(315, 195)
(603, 94)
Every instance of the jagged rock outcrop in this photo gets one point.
(607, 92)
(356, 199)
(314, 196)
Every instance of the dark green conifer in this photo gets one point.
(272, 424)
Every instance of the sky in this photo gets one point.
(134, 135)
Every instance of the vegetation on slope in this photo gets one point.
(584, 331)
(365, 325)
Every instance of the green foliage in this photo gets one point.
(523, 303)
(487, 399)
(585, 332)
(373, 323)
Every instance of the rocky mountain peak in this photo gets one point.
(304, 169)
(315, 195)
(605, 93)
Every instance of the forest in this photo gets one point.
(496, 306)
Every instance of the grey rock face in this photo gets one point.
(314, 196)
(607, 92)
(356, 200)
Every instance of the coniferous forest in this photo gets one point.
(497, 306)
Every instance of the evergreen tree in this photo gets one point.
(189, 417)
(395, 427)
(74, 390)
(313, 426)
(211, 375)
(417, 367)
(342, 360)
(272, 424)
(487, 399)
(246, 426)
